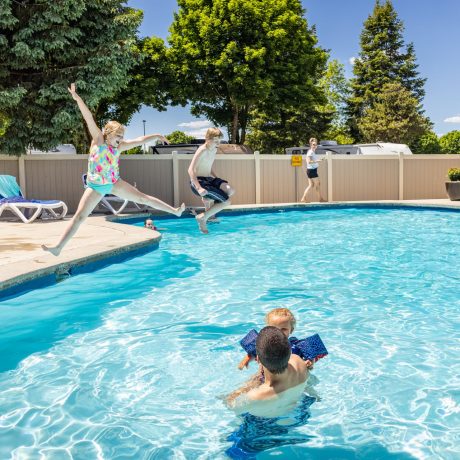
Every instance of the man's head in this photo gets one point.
(283, 319)
(313, 142)
(148, 223)
(273, 349)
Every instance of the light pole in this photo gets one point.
(143, 121)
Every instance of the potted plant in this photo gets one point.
(453, 186)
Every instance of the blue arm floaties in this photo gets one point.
(311, 348)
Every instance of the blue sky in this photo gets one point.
(432, 25)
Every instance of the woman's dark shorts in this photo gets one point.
(212, 186)
(312, 173)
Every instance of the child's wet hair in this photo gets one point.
(281, 312)
(113, 127)
(211, 133)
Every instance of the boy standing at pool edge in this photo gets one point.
(214, 192)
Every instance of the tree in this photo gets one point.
(235, 56)
(450, 142)
(393, 117)
(428, 142)
(179, 137)
(44, 46)
(152, 82)
(337, 90)
(289, 127)
(383, 59)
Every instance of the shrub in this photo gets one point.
(427, 143)
(450, 142)
(454, 174)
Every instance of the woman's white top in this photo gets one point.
(313, 159)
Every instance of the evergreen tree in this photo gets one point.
(233, 57)
(393, 117)
(383, 59)
(288, 127)
(45, 46)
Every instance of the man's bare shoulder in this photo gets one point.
(261, 393)
(299, 364)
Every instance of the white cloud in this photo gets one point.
(197, 133)
(352, 60)
(455, 119)
(199, 124)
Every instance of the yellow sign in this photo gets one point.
(296, 160)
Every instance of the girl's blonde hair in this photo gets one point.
(281, 312)
(211, 133)
(313, 139)
(113, 127)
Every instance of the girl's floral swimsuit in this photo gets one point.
(103, 171)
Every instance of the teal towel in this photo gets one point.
(9, 187)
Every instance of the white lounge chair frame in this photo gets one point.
(16, 208)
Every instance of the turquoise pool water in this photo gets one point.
(130, 361)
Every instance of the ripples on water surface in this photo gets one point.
(126, 362)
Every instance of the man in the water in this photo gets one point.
(285, 376)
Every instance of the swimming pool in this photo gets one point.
(129, 361)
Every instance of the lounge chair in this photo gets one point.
(12, 199)
(113, 203)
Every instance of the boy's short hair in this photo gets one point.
(273, 349)
(281, 312)
(211, 133)
(113, 127)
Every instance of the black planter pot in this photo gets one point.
(453, 190)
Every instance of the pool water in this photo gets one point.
(131, 361)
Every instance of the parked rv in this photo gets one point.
(379, 148)
(62, 149)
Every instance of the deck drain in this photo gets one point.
(63, 273)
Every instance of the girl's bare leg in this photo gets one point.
(203, 217)
(88, 202)
(318, 190)
(124, 190)
(307, 190)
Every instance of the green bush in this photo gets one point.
(427, 143)
(450, 142)
(134, 151)
(179, 137)
(454, 174)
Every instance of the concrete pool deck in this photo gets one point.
(23, 260)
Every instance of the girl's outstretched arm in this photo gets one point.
(95, 132)
(129, 144)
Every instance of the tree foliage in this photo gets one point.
(179, 137)
(383, 59)
(337, 90)
(152, 82)
(428, 142)
(44, 46)
(292, 126)
(235, 56)
(450, 142)
(393, 117)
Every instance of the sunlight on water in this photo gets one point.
(131, 361)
